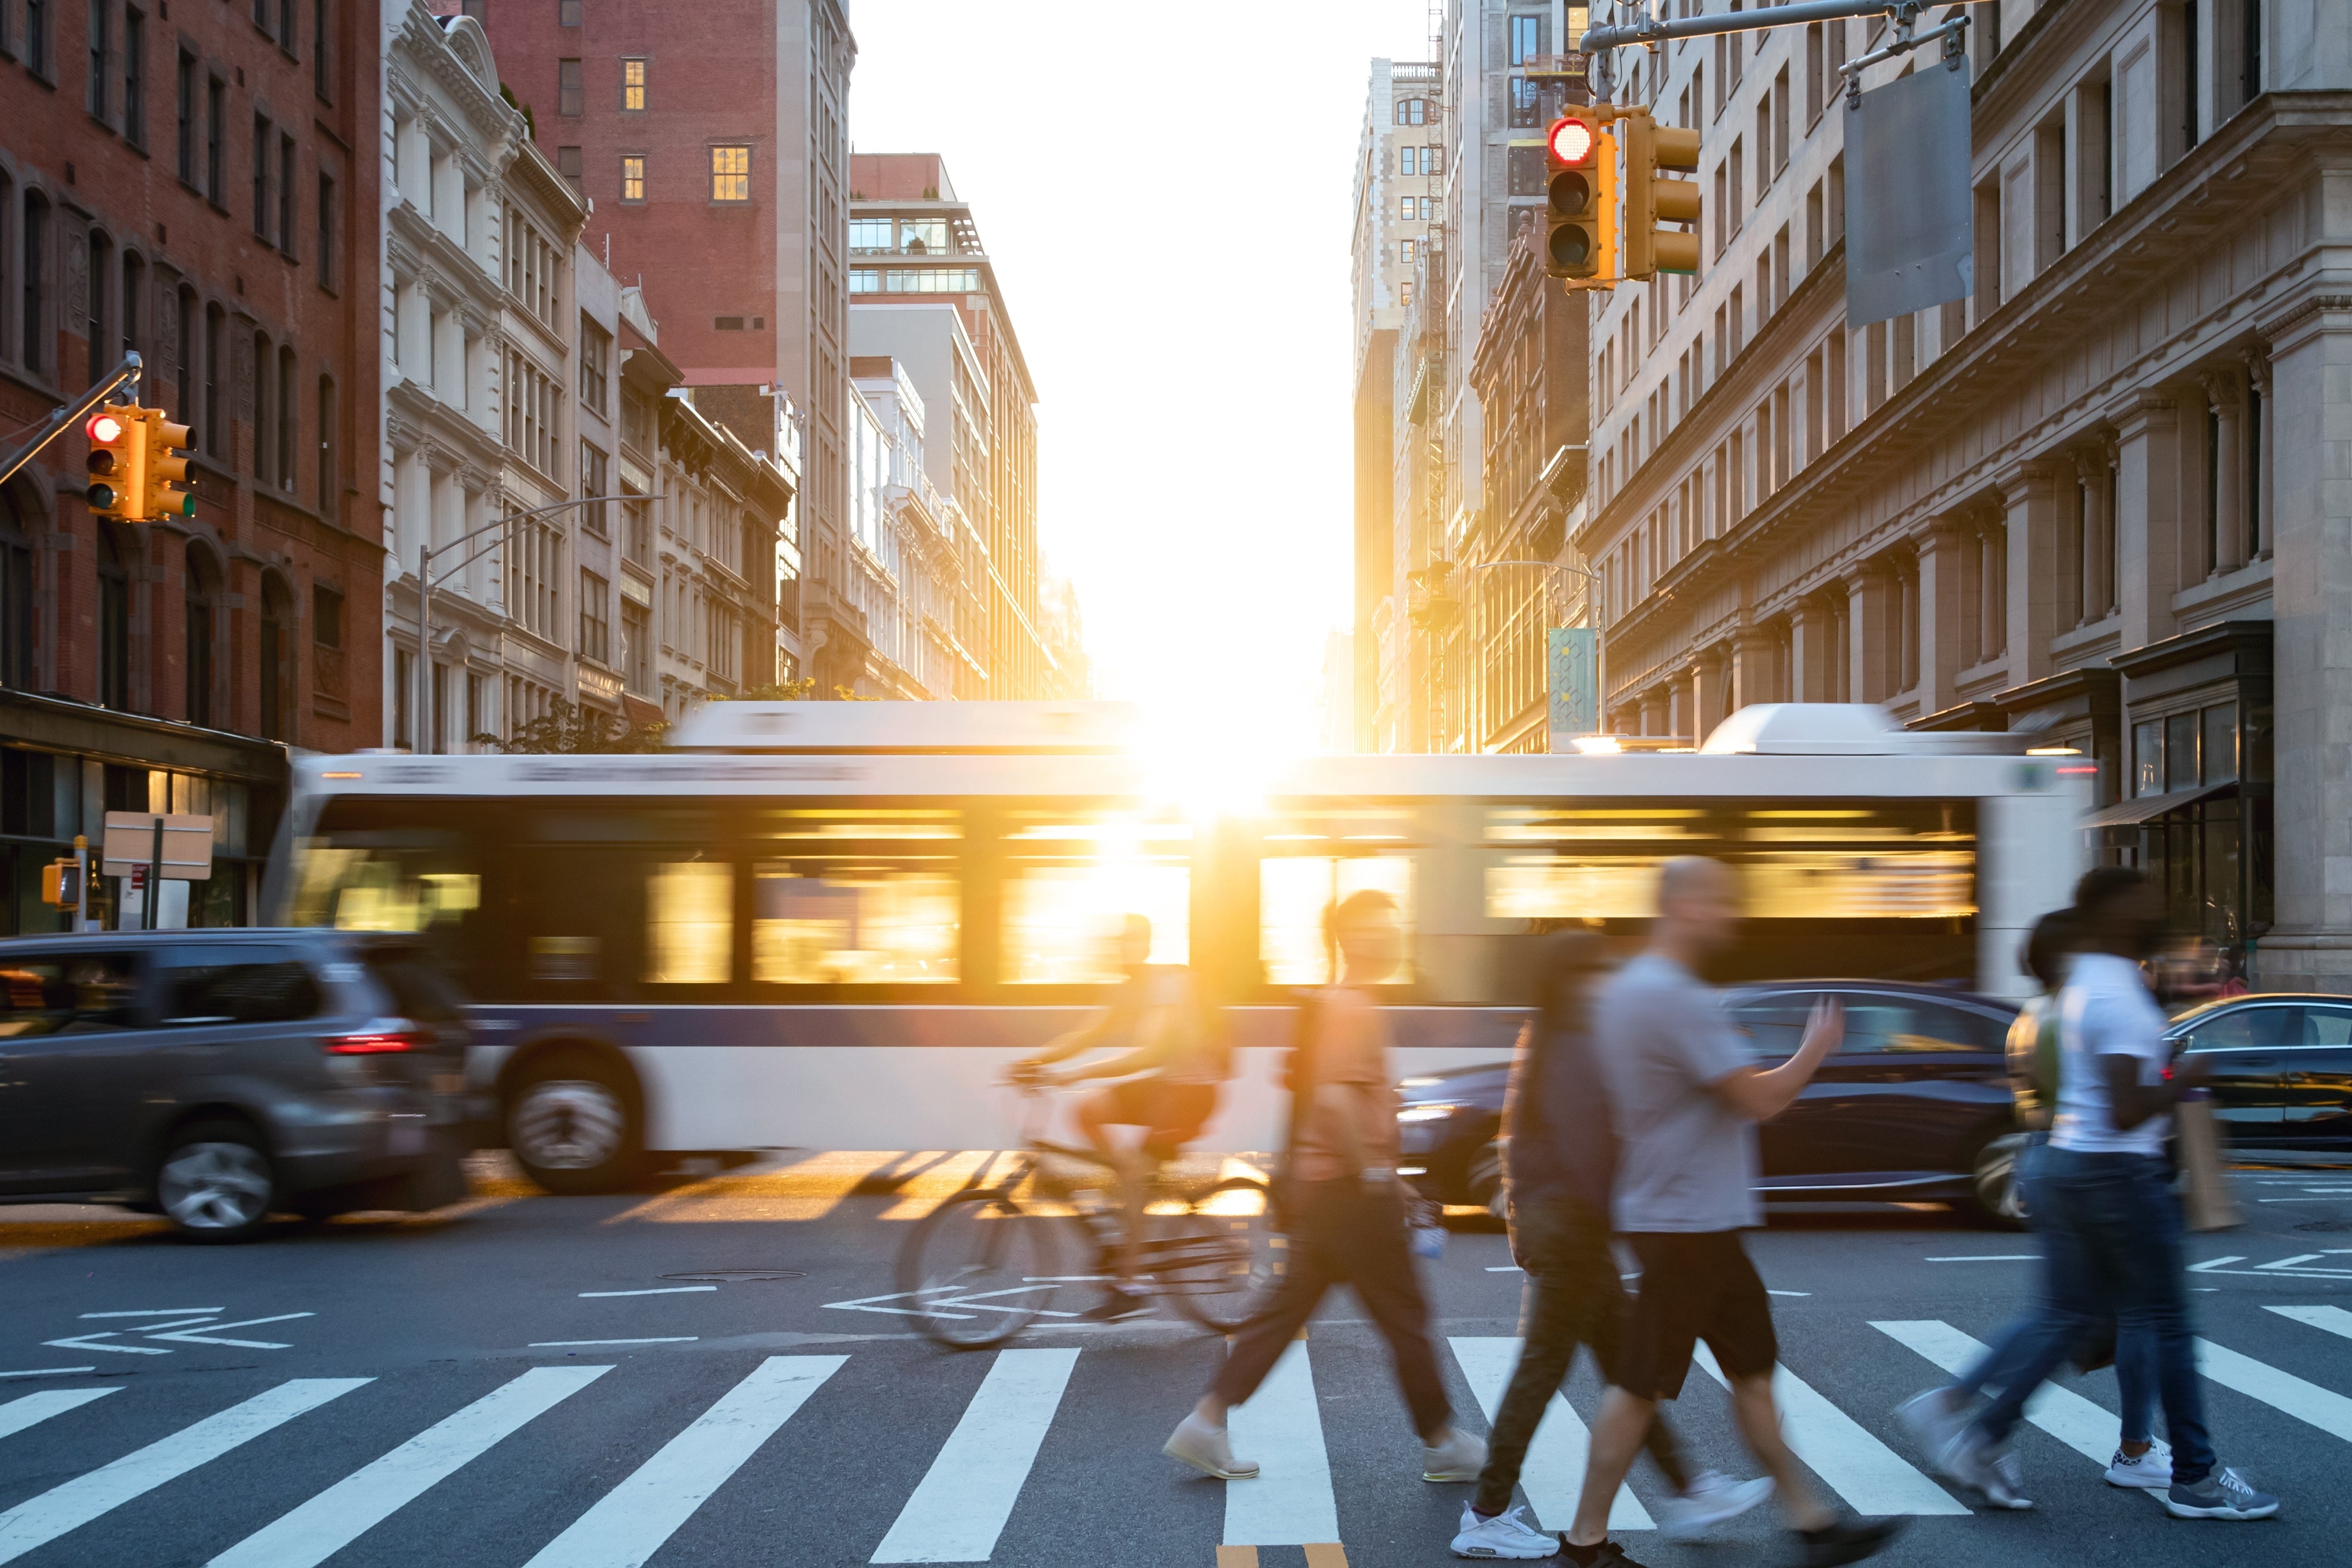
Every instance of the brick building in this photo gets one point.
(199, 187)
(711, 142)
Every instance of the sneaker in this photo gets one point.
(2224, 1494)
(1933, 1422)
(1508, 1534)
(1710, 1499)
(1459, 1458)
(2152, 1471)
(1205, 1449)
(1118, 1307)
(1990, 1469)
(1847, 1541)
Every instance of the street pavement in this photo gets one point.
(711, 1372)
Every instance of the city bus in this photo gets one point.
(834, 925)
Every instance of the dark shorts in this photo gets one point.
(1172, 1115)
(1698, 1286)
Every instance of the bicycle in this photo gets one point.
(985, 1264)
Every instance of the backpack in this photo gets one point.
(2032, 1052)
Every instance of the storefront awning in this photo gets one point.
(2145, 808)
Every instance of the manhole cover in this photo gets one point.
(737, 1276)
(2329, 1225)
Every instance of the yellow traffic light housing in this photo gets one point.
(1654, 152)
(1580, 231)
(167, 493)
(118, 462)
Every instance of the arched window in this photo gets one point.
(113, 617)
(201, 585)
(184, 348)
(18, 520)
(1413, 111)
(277, 659)
(97, 326)
(32, 279)
(8, 260)
(328, 478)
(287, 411)
(264, 362)
(214, 429)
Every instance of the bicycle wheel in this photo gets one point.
(977, 1269)
(1220, 1259)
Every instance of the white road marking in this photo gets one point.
(158, 1313)
(1855, 1465)
(664, 1290)
(41, 1520)
(89, 1342)
(35, 1409)
(2291, 1262)
(1992, 1258)
(359, 1502)
(2322, 1407)
(1553, 1471)
(191, 1337)
(1289, 1501)
(1787, 1292)
(1505, 1269)
(2335, 1320)
(48, 1372)
(2065, 1414)
(561, 1343)
(961, 1507)
(629, 1523)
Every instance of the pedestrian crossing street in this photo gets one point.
(971, 1482)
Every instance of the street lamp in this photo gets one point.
(428, 720)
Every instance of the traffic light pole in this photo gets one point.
(1650, 30)
(65, 417)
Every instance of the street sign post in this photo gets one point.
(152, 847)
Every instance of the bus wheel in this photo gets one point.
(571, 1125)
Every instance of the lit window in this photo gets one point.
(869, 234)
(730, 173)
(1294, 891)
(1404, 291)
(1071, 877)
(632, 84)
(1406, 208)
(856, 897)
(1404, 252)
(633, 179)
(689, 923)
(922, 237)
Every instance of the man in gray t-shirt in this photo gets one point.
(1686, 1098)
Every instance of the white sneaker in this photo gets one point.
(2152, 1471)
(1205, 1449)
(1508, 1534)
(1993, 1471)
(1932, 1422)
(1459, 1458)
(1711, 1498)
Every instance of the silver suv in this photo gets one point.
(222, 1076)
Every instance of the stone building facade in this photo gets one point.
(2097, 501)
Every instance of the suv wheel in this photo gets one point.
(571, 1125)
(215, 1182)
(1996, 1192)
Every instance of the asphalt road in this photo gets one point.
(496, 1386)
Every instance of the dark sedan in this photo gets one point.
(2282, 1074)
(1915, 1106)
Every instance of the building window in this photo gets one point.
(592, 485)
(322, 78)
(113, 621)
(632, 177)
(215, 425)
(187, 118)
(327, 477)
(633, 86)
(870, 236)
(215, 137)
(286, 421)
(327, 231)
(1526, 38)
(730, 173)
(636, 646)
(1404, 291)
(915, 280)
(567, 13)
(198, 622)
(568, 94)
(595, 629)
(277, 659)
(1413, 111)
(326, 616)
(1526, 98)
(102, 58)
(567, 164)
(286, 195)
(1404, 251)
(134, 78)
(595, 365)
(261, 131)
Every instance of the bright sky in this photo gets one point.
(1165, 191)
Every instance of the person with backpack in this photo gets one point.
(1560, 1158)
(1345, 1210)
(1178, 1057)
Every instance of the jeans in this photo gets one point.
(1574, 1297)
(2112, 1242)
(1346, 1232)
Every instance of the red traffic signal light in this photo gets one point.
(1580, 232)
(1571, 140)
(117, 463)
(104, 429)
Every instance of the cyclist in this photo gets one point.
(1177, 1053)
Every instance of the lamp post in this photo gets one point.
(427, 719)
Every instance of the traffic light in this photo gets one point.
(118, 462)
(1651, 198)
(1580, 238)
(166, 492)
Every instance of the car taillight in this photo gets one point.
(371, 1044)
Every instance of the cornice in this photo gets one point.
(421, 39)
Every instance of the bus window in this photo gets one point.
(856, 895)
(1071, 875)
(689, 923)
(1294, 891)
(385, 881)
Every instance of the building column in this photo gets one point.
(2147, 516)
(1810, 641)
(2264, 457)
(1751, 669)
(1943, 555)
(2029, 496)
(1705, 681)
(1869, 590)
(1657, 712)
(2098, 537)
(2225, 394)
(2310, 945)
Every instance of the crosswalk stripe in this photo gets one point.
(1289, 1501)
(2335, 1320)
(629, 1523)
(1552, 1475)
(1855, 1465)
(35, 1409)
(2083, 1426)
(41, 1520)
(335, 1518)
(2322, 1407)
(960, 1506)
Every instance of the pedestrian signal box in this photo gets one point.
(1580, 239)
(1653, 153)
(118, 462)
